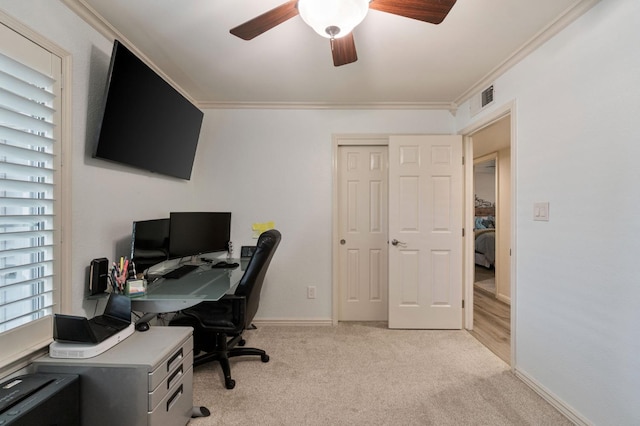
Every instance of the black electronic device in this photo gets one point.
(146, 123)
(98, 275)
(194, 233)
(77, 329)
(40, 399)
(225, 265)
(149, 242)
(247, 251)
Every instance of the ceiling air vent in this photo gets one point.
(481, 100)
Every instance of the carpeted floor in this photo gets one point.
(366, 374)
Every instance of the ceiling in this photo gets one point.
(402, 63)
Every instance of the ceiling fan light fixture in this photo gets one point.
(333, 18)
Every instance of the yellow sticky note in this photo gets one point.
(259, 228)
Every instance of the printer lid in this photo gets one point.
(15, 390)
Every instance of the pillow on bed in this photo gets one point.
(485, 222)
(489, 222)
(479, 223)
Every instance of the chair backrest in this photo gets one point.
(250, 284)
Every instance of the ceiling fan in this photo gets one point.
(335, 19)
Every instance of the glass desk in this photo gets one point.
(202, 284)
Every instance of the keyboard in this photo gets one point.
(180, 272)
(224, 264)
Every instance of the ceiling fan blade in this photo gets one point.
(343, 50)
(432, 11)
(266, 21)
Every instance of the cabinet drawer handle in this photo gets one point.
(174, 398)
(178, 373)
(176, 356)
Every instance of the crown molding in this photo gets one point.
(93, 18)
(564, 20)
(330, 105)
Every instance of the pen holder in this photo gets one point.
(135, 287)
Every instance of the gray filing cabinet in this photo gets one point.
(147, 379)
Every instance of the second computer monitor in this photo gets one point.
(149, 242)
(193, 233)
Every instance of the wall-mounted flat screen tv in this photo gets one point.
(146, 123)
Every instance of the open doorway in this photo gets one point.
(492, 236)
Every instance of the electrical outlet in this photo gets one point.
(311, 292)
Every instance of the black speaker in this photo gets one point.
(98, 273)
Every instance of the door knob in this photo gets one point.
(396, 242)
(343, 242)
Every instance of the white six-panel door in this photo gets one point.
(363, 204)
(425, 231)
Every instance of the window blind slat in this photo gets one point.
(24, 72)
(13, 153)
(22, 172)
(29, 91)
(43, 279)
(11, 101)
(46, 204)
(9, 236)
(25, 310)
(7, 272)
(22, 121)
(9, 185)
(19, 138)
(20, 221)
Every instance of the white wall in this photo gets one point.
(106, 198)
(277, 165)
(577, 146)
(484, 185)
(260, 165)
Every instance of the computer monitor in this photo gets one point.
(149, 242)
(194, 233)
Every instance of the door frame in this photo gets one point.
(337, 141)
(467, 132)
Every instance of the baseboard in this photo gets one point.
(557, 403)
(503, 298)
(292, 321)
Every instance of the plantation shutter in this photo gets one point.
(28, 285)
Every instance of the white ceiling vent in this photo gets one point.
(481, 100)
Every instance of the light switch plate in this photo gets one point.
(541, 211)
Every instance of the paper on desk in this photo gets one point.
(259, 228)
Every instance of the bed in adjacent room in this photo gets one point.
(485, 233)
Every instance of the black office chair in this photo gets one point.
(218, 326)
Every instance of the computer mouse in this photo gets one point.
(142, 326)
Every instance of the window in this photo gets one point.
(30, 205)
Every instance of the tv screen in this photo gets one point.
(146, 122)
(193, 233)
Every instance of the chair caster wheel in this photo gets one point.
(230, 384)
(242, 342)
(264, 358)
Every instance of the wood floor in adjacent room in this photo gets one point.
(492, 323)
